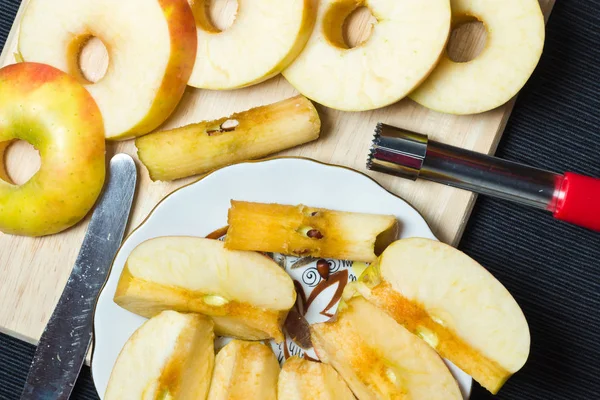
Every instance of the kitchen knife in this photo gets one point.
(66, 339)
(570, 197)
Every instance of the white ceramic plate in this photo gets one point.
(201, 208)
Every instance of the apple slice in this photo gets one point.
(514, 46)
(308, 231)
(380, 359)
(301, 379)
(453, 303)
(171, 356)
(151, 49)
(266, 36)
(246, 294)
(245, 370)
(404, 47)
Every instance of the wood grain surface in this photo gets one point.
(33, 271)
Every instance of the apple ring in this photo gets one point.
(151, 47)
(53, 112)
(515, 40)
(404, 47)
(266, 36)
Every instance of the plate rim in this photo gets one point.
(202, 177)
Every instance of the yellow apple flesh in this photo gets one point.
(52, 111)
(171, 356)
(301, 379)
(405, 46)
(454, 304)
(244, 371)
(380, 359)
(246, 294)
(266, 36)
(515, 40)
(151, 47)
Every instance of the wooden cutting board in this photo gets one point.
(35, 270)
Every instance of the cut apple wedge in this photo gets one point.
(266, 36)
(171, 356)
(245, 370)
(308, 231)
(515, 41)
(301, 379)
(151, 48)
(380, 359)
(246, 294)
(406, 43)
(454, 304)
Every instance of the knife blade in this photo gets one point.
(67, 336)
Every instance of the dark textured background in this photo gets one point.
(551, 268)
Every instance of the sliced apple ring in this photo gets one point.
(515, 40)
(404, 47)
(171, 356)
(380, 359)
(151, 48)
(246, 294)
(266, 36)
(454, 304)
(50, 110)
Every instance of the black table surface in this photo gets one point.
(551, 268)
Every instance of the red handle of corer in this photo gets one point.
(578, 201)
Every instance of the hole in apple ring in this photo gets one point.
(89, 59)
(19, 161)
(467, 40)
(214, 15)
(358, 27)
(347, 25)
